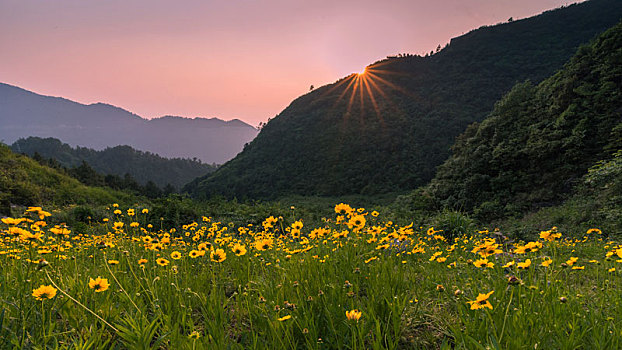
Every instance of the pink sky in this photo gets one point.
(245, 59)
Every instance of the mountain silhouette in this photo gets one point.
(99, 125)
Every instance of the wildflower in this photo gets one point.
(44, 292)
(176, 255)
(578, 267)
(356, 222)
(613, 269)
(440, 288)
(594, 230)
(549, 235)
(510, 263)
(145, 211)
(113, 262)
(343, 209)
(483, 262)
(571, 261)
(194, 334)
(354, 315)
(142, 261)
(546, 262)
(481, 301)
(524, 265)
(375, 214)
(218, 255)
(99, 284)
(297, 225)
(195, 253)
(264, 244)
(285, 318)
(162, 262)
(563, 299)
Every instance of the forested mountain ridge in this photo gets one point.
(540, 140)
(387, 129)
(119, 160)
(24, 113)
(24, 182)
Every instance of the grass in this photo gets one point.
(293, 286)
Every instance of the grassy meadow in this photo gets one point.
(352, 281)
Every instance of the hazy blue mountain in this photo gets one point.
(24, 113)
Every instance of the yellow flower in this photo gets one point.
(511, 263)
(195, 335)
(594, 230)
(145, 211)
(297, 225)
(613, 269)
(343, 209)
(113, 262)
(524, 265)
(162, 262)
(142, 261)
(578, 267)
(375, 214)
(483, 262)
(264, 244)
(99, 284)
(549, 235)
(546, 262)
(284, 318)
(44, 292)
(356, 222)
(176, 255)
(218, 255)
(571, 261)
(481, 301)
(354, 315)
(239, 249)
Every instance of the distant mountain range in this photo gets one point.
(118, 160)
(24, 113)
(386, 131)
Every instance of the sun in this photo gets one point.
(362, 72)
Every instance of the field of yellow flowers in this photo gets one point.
(354, 282)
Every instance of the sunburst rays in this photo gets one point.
(370, 90)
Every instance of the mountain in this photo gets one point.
(24, 113)
(540, 140)
(387, 130)
(25, 182)
(118, 160)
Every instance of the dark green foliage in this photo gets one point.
(597, 203)
(332, 141)
(452, 224)
(24, 182)
(120, 160)
(540, 140)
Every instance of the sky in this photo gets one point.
(244, 59)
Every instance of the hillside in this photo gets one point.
(540, 140)
(386, 130)
(25, 182)
(99, 125)
(119, 160)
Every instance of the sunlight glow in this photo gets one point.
(362, 72)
